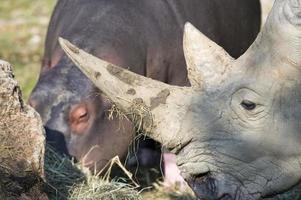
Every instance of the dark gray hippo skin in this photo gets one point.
(145, 35)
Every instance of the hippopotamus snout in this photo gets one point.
(75, 115)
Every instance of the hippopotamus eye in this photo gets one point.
(248, 105)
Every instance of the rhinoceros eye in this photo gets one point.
(248, 105)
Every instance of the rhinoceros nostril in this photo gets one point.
(204, 185)
(202, 175)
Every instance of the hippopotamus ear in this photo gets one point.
(204, 58)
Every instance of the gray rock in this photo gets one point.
(22, 142)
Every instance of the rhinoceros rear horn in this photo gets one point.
(280, 36)
(204, 58)
(147, 101)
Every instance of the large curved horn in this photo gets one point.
(157, 108)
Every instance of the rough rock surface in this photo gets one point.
(22, 142)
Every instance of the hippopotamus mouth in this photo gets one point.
(205, 187)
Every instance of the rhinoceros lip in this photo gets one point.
(205, 187)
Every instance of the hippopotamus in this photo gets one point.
(236, 130)
(142, 36)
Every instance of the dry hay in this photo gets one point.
(61, 174)
(66, 180)
(168, 193)
(139, 114)
(97, 189)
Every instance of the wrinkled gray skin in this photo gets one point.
(247, 143)
(236, 130)
(143, 35)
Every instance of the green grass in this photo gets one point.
(23, 26)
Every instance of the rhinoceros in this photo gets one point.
(236, 130)
(145, 35)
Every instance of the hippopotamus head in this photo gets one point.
(236, 131)
(74, 111)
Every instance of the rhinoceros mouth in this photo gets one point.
(205, 186)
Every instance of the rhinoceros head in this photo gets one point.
(236, 131)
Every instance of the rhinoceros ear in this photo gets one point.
(204, 58)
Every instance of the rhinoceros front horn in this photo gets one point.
(280, 36)
(155, 107)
